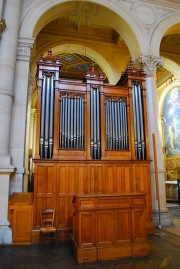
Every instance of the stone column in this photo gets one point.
(8, 46)
(149, 64)
(19, 115)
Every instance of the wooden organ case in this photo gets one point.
(92, 146)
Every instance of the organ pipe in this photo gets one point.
(71, 121)
(46, 136)
(139, 136)
(51, 117)
(47, 117)
(43, 95)
(116, 123)
(95, 123)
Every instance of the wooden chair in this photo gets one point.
(48, 233)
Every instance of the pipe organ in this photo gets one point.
(91, 139)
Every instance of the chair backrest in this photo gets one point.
(47, 217)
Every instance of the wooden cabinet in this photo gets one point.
(109, 226)
(141, 182)
(45, 186)
(56, 183)
(21, 217)
(95, 177)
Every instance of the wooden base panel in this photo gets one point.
(64, 234)
(114, 252)
(35, 236)
(84, 255)
(21, 243)
(87, 255)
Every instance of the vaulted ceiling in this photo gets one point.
(87, 29)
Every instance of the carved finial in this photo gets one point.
(41, 59)
(101, 74)
(92, 73)
(49, 52)
(49, 59)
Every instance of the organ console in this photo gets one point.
(92, 140)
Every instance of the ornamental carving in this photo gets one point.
(171, 164)
(24, 49)
(149, 64)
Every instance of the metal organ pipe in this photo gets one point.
(47, 117)
(116, 124)
(141, 122)
(139, 136)
(43, 99)
(75, 123)
(95, 123)
(46, 136)
(78, 124)
(71, 121)
(98, 125)
(51, 116)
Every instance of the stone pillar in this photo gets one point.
(8, 46)
(149, 64)
(19, 115)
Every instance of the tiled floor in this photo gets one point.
(164, 254)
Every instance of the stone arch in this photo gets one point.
(160, 30)
(119, 18)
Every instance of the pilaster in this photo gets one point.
(11, 13)
(149, 63)
(19, 115)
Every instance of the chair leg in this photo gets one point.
(57, 238)
(51, 239)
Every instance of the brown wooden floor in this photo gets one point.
(164, 254)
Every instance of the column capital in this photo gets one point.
(149, 64)
(24, 49)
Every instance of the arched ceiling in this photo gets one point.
(170, 44)
(80, 25)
